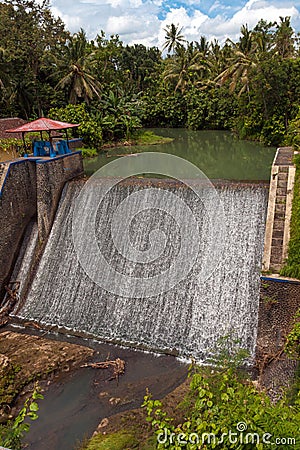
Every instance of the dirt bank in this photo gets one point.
(130, 429)
(25, 359)
(77, 399)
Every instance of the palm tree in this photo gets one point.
(203, 46)
(77, 78)
(22, 94)
(184, 68)
(243, 59)
(173, 37)
(216, 57)
(284, 38)
(263, 36)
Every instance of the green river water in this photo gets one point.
(219, 154)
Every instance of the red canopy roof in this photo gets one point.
(42, 124)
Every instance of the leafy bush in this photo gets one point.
(225, 411)
(89, 129)
(164, 109)
(293, 133)
(249, 126)
(89, 152)
(12, 433)
(292, 346)
(273, 131)
(15, 145)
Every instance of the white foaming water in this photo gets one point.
(190, 317)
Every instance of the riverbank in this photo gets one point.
(26, 359)
(130, 429)
(146, 137)
(77, 398)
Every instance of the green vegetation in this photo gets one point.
(11, 433)
(249, 86)
(88, 129)
(292, 346)
(12, 144)
(88, 152)
(8, 387)
(292, 266)
(140, 137)
(150, 138)
(114, 441)
(222, 401)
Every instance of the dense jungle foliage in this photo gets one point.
(251, 86)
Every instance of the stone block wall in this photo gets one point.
(279, 210)
(52, 175)
(30, 189)
(18, 205)
(279, 302)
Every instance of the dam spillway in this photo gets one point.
(191, 316)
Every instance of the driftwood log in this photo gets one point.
(118, 366)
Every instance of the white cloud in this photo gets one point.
(72, 22)
(220, 27)
(250, 14)
(219, 6)
(122, 25)
(136, 21)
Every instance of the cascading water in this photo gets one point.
(192, 315)
(23, 266)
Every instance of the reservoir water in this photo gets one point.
(219, 154)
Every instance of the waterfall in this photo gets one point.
(26, 257)
(191, 316)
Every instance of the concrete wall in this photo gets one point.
(52, 175)
(277, 233)
(18, 206)
(30, 188)
(279, 297)
(279, 302)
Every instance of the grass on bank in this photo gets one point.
(114, 441)
(292, 265)
(141, 137)
(147, 137)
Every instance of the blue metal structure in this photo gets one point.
(46, 148)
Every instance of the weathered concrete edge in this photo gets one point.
(270, 217)
(280, 279)
(289, 167)
(49, 160)
(24, 197)
(9, 165)
(37, 160)
(288, 211)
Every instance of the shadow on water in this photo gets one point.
(219, 154)
(74, 406)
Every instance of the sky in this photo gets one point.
(144, 21)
